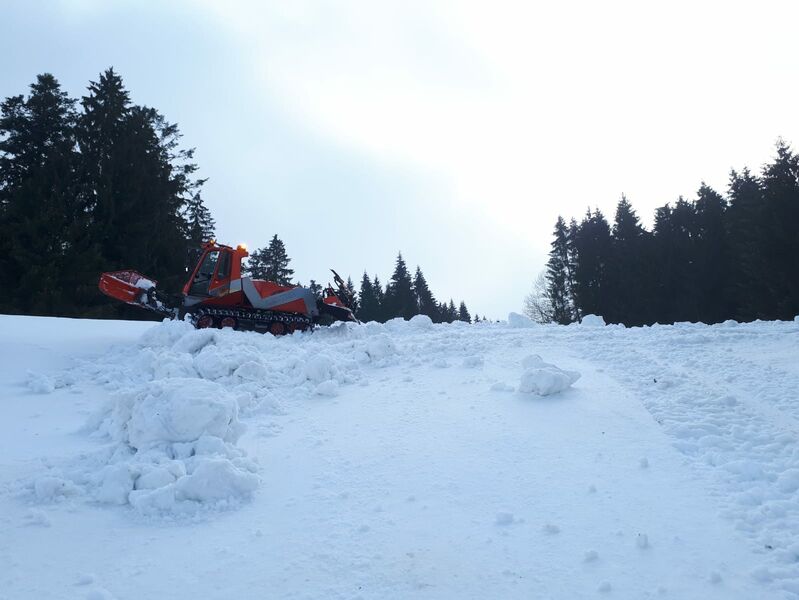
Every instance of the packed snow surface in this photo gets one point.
(400, 460)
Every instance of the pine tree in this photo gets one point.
(368, 306)
(425, 301)
(400, 300)
(593, 249)
(747, 232)
(44, 251)
(571, 271)
(627, 291)
(452, 313)
(711, 260)
(135, 181)
(316, 289)
(256, 266)
(559, 276)
(271, 263)
(199, 222)
(673, 240)
(780, 247)
(463, 313)
(383, 313)
(90, 190)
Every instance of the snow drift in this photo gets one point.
(670, 468)
(172, 423)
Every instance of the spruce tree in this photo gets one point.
(747, 233)
(593, 248)
(711, 260)
(316, 289)
(463, 313)
(452, 313)
(425, 301)
(44, 248)
(673, 239)
(276, 262)
(256, 266)
(368, 309)
(135, 181)
(627, 294)
(380, 300)
(780, 185)
(559, 276)
(199, 222)
(400, 300)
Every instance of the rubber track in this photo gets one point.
(251, 319)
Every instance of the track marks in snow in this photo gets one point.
(732, 414)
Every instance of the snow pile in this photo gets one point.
(672, 469)
(592, 321)
(543, 378)
(518, 321)
(173, 450)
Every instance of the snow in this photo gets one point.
(399, 460)
(592, 321)
(519, 321)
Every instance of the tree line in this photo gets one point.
(101, 184)
(403, 296)
(709, 259)
(86, 186)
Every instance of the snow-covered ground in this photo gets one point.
(398, 461)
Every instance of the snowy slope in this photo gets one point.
(399, 460)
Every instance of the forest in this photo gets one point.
(708, 259)
(99, 184)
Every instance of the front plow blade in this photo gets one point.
(134, 288)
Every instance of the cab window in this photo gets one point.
(224, 267)
(203, 277)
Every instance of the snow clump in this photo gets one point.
(592, 321)
(172, 450)
(518, 321)
(543, 378)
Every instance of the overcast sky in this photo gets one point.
(456, 132)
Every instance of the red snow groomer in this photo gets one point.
(216, 295)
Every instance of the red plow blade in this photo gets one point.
(127, 286)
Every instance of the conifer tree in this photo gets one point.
(44, 254)
(673, 239)
(135, 181)
(559, 276)
(571, 263)
(425, 301)
(368, 305)
(380, 299)
(463, 313)
(452, 313)
(272, 263)
(711, 260)
(89, 190)
(593, 250)
(256, 266)
(780, 247)
(747, 232)
(400, 300)
(200, 224)
(316, 289)
(626, 292)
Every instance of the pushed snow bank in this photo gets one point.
(173, 450)
(519, 321)
(592, 321)
(543, 378)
